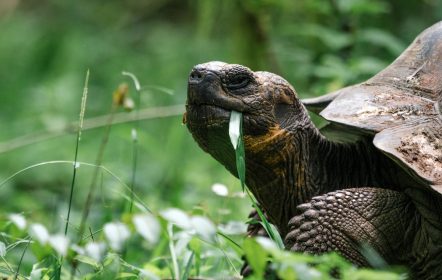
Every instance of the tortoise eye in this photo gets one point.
(238, 82)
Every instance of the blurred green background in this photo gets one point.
(46, 47)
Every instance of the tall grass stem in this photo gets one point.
(134, 137)
(80, 127)
(98, 161)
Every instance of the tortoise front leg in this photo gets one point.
(345, 220)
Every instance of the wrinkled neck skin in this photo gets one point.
(287, 167)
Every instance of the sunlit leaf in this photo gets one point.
(36, 273)
(256, 257)
(148, 275)
(88, 260)
(366, 274)
(111, 266)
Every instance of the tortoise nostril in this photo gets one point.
(196, 76)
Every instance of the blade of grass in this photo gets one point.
(80, 127)
(236, 136)
(118, 99)
(176, 269)
(188, 267)
(231, 241)
(91, 123)
(113, 175)
(134, 137)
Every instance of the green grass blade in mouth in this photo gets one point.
(236, 137)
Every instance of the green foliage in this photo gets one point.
(48, 45)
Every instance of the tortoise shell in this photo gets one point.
(400, 106)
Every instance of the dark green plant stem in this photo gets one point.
(21, 259)
(93, 184)
(80, 126)
(241, 169)
(134, 150)
(134, 137)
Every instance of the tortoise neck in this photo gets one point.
(298, 164)
(336, 165)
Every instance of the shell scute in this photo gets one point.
(401, 107)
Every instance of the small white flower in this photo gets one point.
(116, 233)
(220, 189)
(204, 227)
(95, 250)
(177, 217)
(148, 227)
(233, 228)
(134, 134)
(18, 220)
(39, 232)
(59, 243)
(2, 249)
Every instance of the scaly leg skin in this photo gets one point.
(345, 220)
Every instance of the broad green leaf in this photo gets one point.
(256, 257)
(111, 266)
(89, 261)
(366, 274)
(186, 273)
(234, 245)
(301, 271)
(127, 275)
(36, 273)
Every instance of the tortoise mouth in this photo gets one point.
(206, 115)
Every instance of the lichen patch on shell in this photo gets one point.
(418, 146)
(423, 147)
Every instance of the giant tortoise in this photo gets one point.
(379, 183)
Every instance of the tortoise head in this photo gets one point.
(268, 103)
